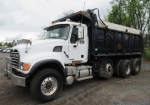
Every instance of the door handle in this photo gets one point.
(74, 46)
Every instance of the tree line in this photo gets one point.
(8, 44)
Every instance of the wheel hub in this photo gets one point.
(49, 85)
(109, 69)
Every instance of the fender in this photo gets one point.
(40, 63)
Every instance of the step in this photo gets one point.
(84, 78)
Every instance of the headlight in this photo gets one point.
(21, 66)
(24, 66)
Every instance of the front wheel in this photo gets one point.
(46, 85)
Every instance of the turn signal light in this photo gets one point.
(26, 66)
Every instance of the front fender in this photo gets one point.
(38, 58)
(38, 64)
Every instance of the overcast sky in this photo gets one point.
(26, 18)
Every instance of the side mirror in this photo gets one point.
(80, 32)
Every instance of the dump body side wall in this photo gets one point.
(103, 43)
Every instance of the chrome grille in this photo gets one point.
(14, 55)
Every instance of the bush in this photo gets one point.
(147, 53)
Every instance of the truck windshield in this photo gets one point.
(57, 32)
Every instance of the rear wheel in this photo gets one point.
(125, 68)
(46, 85)
(136, 66)
(109, 68)
(116, 71)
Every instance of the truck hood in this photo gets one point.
(41, 43)
(48, 42)
(41, 46)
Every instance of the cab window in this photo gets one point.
(74, 35)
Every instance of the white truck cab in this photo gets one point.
(65, 42)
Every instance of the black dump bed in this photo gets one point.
(107, 42)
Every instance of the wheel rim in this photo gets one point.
(49, 85)
(137, 67)
(109, 68)
(128, 69)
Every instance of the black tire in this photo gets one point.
(109, 69)
(136, 66)
(116, 70)
(125, 68)
(37, 83)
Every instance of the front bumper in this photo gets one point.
(17, 80)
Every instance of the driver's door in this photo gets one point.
(78, 48)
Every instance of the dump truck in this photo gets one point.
(75, 48)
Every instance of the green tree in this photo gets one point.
(0, 44)
(5, 44)
(147, 40)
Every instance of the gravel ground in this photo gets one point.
(115, 91)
